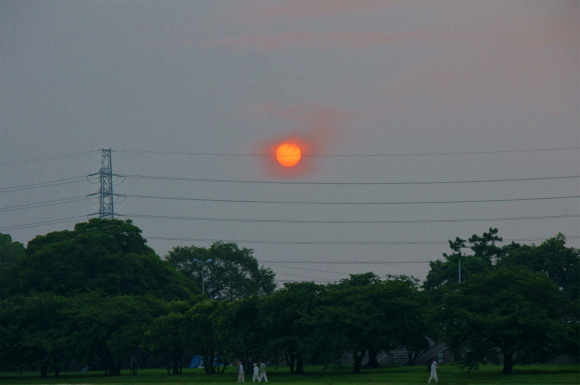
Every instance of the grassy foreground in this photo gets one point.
(448, 374)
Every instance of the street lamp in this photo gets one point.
(202, 265)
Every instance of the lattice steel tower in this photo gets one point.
(106, 192)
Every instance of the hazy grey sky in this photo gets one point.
(383, 96)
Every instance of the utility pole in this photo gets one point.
(106, 191)
(202, 279)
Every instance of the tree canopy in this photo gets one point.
(513, 311)
(367, 314)
(102, 254)
(98, 295)
(10, 251)
(519, 300)
(485, 254)
(232, 274)
(551, 258)
(280, 316)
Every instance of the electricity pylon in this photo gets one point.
(106, 191)
(106, 196)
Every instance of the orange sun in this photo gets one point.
(288, 154)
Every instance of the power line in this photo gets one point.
(48, 158)
(295, 280)
(78, 179)
(278, 264)
(184, 179)
(91, 152)
(51, 183)
(349, 155)
(301, 276)
(45, 203)
(327, 243)
(44, 223)
(318, 222)
(244, 241)
(348, 262)
(346, 203)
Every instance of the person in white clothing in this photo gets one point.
(434, 367)
(262, 372)
(255, 376)
(240, 372)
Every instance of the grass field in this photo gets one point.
(448, 374)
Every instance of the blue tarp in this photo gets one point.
(196, 362)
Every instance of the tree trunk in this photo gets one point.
(56, 371)
(144, 355)
(508, 363)
(290, 360)
(44, 371)
(299, 365)
(412, 355)
(373, 362)
(211, 361)
(223, 365)
(205, 361)
(177, 362)
(115, 367)
(358, 357)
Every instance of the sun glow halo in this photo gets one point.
(288, 154)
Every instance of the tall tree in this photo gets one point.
(515, 312)
(32, 333)
(109, 328)
(553, 259)
(358, 280)
(242, 330)
(170, 335)
(485, 255)
(101, 254)
(281, 315)
(232, 274)
(212, 334)
(385, 315)
(9, 251)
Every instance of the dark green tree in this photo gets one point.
(514, 312)
(358, 280)
(241, 330)
(553, 259)
(485, 255)
(385, 315)
(561, 264)
(9, 251)
(170, 335)
(32, 333)
(212, 334)
(232, 274)
(415, 327)
(109, 328)
(281, 315)
(109, 255)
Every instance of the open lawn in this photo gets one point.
(448, 374)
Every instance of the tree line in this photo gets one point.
(98, 295)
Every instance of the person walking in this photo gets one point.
(240, 372)
(434, 367)
(255, 376)
(262, 372)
